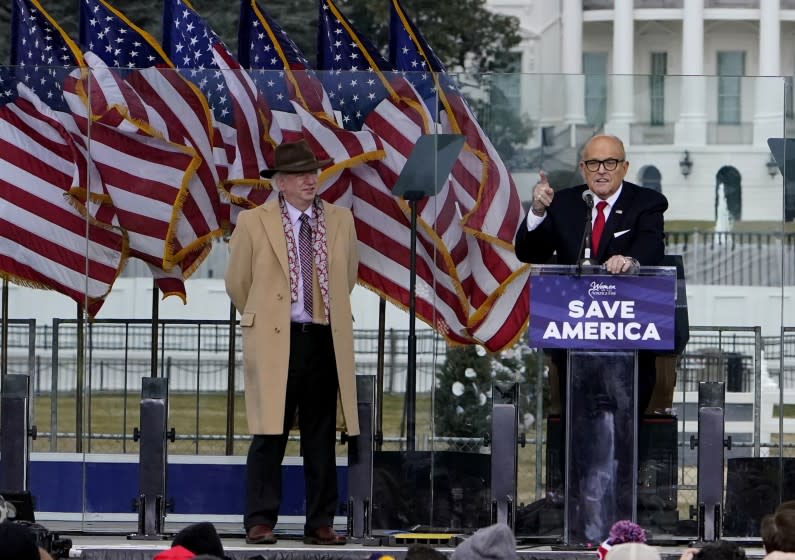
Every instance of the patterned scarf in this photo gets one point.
(319, 248)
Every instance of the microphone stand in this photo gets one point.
(585, 244)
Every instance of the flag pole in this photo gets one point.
(230, 379)
(155, 319)
(4, 364)
(411, 370)
(79, 378)
(379, 372)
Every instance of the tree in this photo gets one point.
(463, 34)
(498, 118)
(466, 36)
(463, 399)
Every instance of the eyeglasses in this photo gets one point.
(609, 164)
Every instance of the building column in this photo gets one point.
(622, 94)
(571, 61)
(769, 112)
(691, 129)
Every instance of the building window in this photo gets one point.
(651, 178)
(659, 68)
(728, 198)
(731, 68)
(594, 67)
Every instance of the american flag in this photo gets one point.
(46, 241)
(353, 69)
(385, 103)
(242, 116)
(284, 72)
(170, 221)
(301, 105)
(489, 202)
(145, 178)
(109, 34)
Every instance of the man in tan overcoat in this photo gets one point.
(293, 263)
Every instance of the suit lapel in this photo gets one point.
(271, 219)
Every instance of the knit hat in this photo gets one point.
(200, 538)
(174, 553)
(496, 541)
(633, 551)
(623, 531)
(17, 542)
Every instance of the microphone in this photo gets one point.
(585, 244)
(587, 197)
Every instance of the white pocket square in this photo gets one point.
(620, 233)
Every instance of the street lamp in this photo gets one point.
(685, 164)
(772, 167)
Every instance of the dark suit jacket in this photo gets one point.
(633, 229)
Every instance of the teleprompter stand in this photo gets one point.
(429, 164)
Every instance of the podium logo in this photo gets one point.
(600, 289)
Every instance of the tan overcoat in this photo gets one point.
(258, 282)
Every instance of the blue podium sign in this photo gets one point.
(602, 312)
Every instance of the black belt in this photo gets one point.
(306, 328)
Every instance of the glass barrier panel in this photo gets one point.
(147, 300)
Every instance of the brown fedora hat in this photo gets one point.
(294, 157)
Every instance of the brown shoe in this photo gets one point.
(324, 536)
(260, 534)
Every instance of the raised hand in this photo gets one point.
(542, 195)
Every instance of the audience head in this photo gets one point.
(423, 552)
(200, 538)
(778, 529)
(626, 531)
(633, 551)
(720, 550)
(621, 532)
(17, 542)
(175, 553)
(496, 541)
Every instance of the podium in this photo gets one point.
(600, 321)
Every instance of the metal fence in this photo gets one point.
(200, 349)
(734, 258)
(206, 393)
(711, 258)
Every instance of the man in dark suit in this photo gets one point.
(627, 224)
(632, 233)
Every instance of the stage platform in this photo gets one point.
(113, 544)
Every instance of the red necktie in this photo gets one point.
(598, 226)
